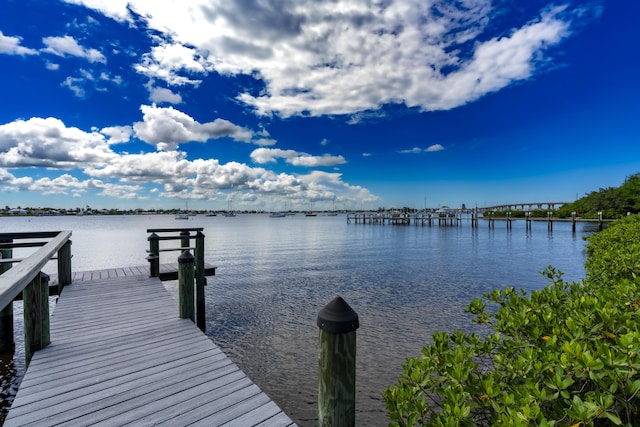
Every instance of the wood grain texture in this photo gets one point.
(119, 355)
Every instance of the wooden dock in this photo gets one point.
(120, 355)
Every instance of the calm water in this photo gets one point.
(275, 274)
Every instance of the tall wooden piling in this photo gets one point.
(36, 316)
(7, 343)
(185, 286)
(154, 255)
(573, 222)
(549, 221)
(201, 281)
(337, 364)
(64, 266)
(600, 221)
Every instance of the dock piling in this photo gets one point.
(7, 344)
(154, 255)
(36, 315)
(201, 282)
(185, 286)
(337, 364)
(64, 266)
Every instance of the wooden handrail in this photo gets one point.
(171, 230)
(14, 280)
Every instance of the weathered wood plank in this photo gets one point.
(13, 281)
(120, 354)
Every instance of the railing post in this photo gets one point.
(154, 255)
(599, 221)
(185, 286)
(7, 343)
(64, 266)
(337, 364)
(184, 241)
(201, 281)
(36, 315)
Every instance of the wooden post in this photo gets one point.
(7, 343)
(64, 266)
(184, 241)
(549, 222)
(599, 221)
(201, 281)
(154, 255)
(573, 222)
(185, 286)
(36, 316)
(337, 364)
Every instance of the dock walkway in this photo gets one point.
(120, 355)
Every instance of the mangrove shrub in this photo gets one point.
(568, 354)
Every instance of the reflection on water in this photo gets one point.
(274, 276)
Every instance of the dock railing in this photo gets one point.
(26, 277)
(186, 264)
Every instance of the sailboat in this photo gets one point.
(333, 212)
(229, 211)
(185, 214)
(310, 212)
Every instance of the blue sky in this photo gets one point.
(357, 104)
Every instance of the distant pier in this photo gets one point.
(454, 219)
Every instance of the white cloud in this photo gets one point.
(67, 45)
(117, 134)
(75, 85)
(270, 155)
(434, 147)
(90, 165)
(167, 61)
(49, 143)
(416, 150)
(166, 128)
(345, 57)
(160, 94)
(11, 46)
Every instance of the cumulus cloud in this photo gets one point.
(67, 45)
(67, 184)
(47, 142)
(161, 94)
(168, 61)
(117, 134)
(166, 128)
(88, 163)
(270, 155)
(11, 45)
(345, 57)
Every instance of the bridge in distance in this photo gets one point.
(521, 206)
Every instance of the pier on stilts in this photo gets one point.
(457, 218)
(118, 348)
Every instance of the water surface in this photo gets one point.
(275, 274)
